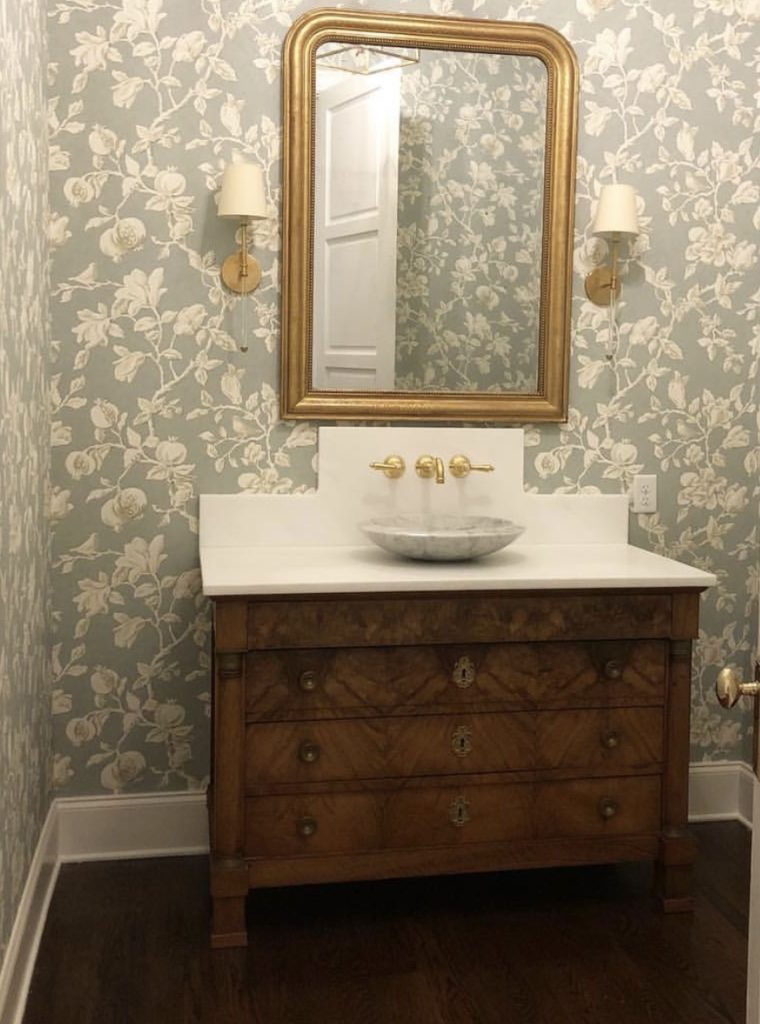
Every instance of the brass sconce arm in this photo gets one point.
(241, 272)
(603, 283)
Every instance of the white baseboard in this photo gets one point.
(721, 791)
(174, 824)
(124, 827)
(21, 951)
(92, 828)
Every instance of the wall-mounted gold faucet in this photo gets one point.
(393, 466)
(460, 466)
(428, 466)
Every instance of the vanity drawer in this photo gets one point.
(312, 825)
(310, 683)
(606, 741)
(366, 621)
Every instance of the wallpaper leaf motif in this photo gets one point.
(470, 207)
(24, 339)
(153, 402)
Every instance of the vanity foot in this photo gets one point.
(228, 922)
(674, 873)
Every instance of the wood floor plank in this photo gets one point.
(126, 943)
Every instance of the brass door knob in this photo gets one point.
(307, 681)
(610, 739)
(460, 466)
(608, 808)
(309, 752)
(393, 466)
(306, 827)
(729, 687)
(613, 669)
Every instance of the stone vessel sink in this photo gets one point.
(438, 537)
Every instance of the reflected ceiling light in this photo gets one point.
(365, 60)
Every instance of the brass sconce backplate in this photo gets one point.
(600, 287)
(234, 277)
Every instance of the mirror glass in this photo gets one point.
(428, 217)
(428, 194)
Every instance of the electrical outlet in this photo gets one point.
(644, 494)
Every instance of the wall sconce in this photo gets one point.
(615, 220)
(242, 196)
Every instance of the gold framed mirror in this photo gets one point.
(428, 200)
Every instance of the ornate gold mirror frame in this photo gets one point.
(299, 400)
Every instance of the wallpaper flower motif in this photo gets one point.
(154, 402)
(471, 155)
(24, 698)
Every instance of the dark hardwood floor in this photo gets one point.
(126, 943)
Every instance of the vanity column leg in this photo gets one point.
(229, 874)
(677, 845)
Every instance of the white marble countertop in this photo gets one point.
(229, 571)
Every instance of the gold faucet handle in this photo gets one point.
(428, 466)
(460, 466)
(393, 466)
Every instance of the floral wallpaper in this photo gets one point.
(24, 340)
(471, 153)
(154, 401)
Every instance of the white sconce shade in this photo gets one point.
(616, 212)
(242, 194)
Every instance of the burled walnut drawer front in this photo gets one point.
(364, 621)
(306, 683)
(612, 740)
(287, 826)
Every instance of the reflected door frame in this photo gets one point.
(355, 232)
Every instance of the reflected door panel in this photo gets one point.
(356, 189)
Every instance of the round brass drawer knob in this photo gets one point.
(308, 681)
(309, 752)
(611, 739)
(306, 827)
(608, 808)
(613, 669)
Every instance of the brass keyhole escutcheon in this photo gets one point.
(461, 741)
(459, 812)
(463, 673)
(309, 752)
(307, 681)
(306, 827)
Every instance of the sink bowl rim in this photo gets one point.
(440, 537)
(423, 525)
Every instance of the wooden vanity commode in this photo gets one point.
(388, 734)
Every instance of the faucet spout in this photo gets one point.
(439, 475)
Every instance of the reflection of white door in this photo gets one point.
(729, 690)
(356, 183)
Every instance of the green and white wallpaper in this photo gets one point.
(153, 402)
(24, 447)
(470, 208)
